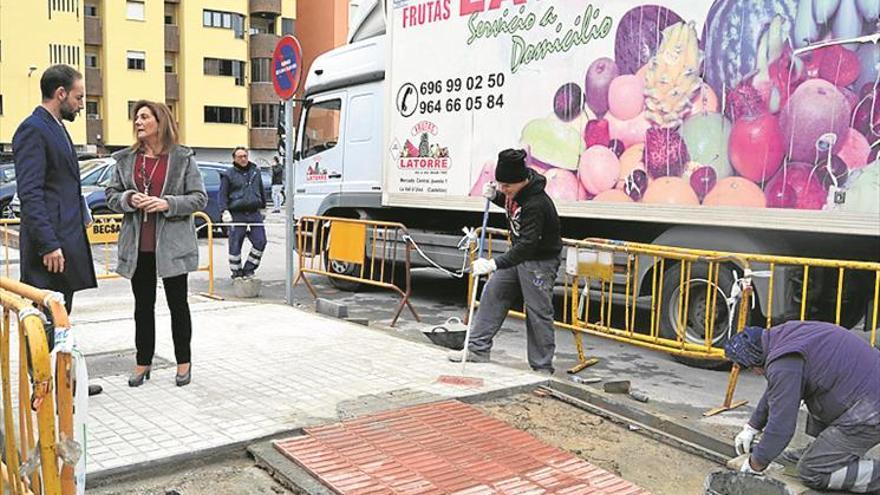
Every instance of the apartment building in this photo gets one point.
(209, 60)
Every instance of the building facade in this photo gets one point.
(209, 60)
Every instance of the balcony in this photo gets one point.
(263, 93)
(172, 38)
(94, 131)
(94, 82)
(263, 45)
(93, 34)
(265, 7)
(263, 139)
(172, 87)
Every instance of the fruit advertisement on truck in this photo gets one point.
(753, 113)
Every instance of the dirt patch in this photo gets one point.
(232, 476)
(655, 466)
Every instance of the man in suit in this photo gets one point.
(55, 251)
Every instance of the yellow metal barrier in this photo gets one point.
(104, 231)
(35, 387)
(357, 251)
(688, 302)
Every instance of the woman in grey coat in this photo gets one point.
(157, 185)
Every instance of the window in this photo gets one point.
(136, 60)
(134, 10)
(92, 110)
(322, 127)
(261, 70)
(1, 104)
(224, 20)
(63, 6)
(288, 26)
(169, 64)
(210, 177)
(94, 177)
(225, 67)
(260, 25)
(92, 60)
(64, 54)
(169, 14)
(90, 10)
(264, 115)
(224, 115)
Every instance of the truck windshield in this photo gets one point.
(321, 127)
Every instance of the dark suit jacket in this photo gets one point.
(48, 183)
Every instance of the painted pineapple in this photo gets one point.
(673, 76)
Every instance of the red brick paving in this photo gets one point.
(443, 448)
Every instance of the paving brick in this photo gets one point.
(510, 461)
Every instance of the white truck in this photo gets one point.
(735, 125)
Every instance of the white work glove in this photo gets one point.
(483, 267)
(745, 439)
(747, 468)
(226, 217)
(489, 190)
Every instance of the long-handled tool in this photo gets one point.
(472, 300)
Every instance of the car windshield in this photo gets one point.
(93, 177)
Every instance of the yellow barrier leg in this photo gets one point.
(583, 361)
(742, 316)
(728, 405)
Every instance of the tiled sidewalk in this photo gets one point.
(258, 370)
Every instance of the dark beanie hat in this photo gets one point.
(511, 167)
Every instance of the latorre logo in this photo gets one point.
(427, 155)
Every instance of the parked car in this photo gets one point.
(95, 180)
(96, 174)
(7, 189)
(92, 172)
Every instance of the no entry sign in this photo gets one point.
(287, 67)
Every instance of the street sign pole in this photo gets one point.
(287, 68)
(290, 190)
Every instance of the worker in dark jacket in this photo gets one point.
(241, 199)
(528, 268)
(837, 375)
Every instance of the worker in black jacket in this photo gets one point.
(241, 199)
(528, 268)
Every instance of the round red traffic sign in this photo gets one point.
(287, 67)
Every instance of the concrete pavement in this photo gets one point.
(258, 370)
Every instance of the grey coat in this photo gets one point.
(177, 250)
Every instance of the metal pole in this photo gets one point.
(289, 186)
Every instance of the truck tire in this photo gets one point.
(696, 331)
(343, 268)
(822, 297)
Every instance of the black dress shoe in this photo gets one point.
(95, 389)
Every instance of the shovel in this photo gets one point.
(463, 380)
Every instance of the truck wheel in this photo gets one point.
(343, 268)
(822, 297)
(695, 332)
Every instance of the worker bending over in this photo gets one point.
(837, 375)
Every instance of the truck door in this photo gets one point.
(319, 170)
